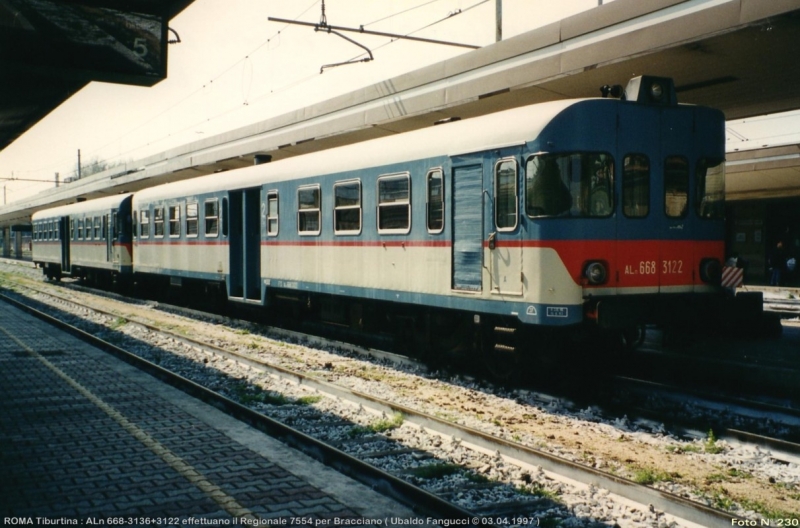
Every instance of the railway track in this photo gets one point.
(377, 435)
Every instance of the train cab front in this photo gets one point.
(658, 258)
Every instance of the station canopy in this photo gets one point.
(50, 49)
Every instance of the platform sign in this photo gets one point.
(84, 40)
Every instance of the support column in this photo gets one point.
(6, 242)
(498, 21)
(18, 244)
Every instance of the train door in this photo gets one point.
(676, 262)
(467, 227)
(65, 236)
(505, 244)
(653, 253)
(245, 245)
(109, 236)
(640, 221)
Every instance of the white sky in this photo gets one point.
(234, 68)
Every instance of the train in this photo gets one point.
(593, 216)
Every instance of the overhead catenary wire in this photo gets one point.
(448, 17)
(300, 81)
(399, 13)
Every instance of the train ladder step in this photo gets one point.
(505, 330)
(504, 348)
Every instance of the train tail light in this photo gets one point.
(710, 270)
(596, 272)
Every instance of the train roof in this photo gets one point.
(505, 128)
(100, 205)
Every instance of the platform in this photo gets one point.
(88, 438)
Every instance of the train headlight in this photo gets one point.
(710, 270)
(656, 91)
(595, 272)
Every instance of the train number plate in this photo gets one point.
(557, 311)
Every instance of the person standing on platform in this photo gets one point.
(777, 263)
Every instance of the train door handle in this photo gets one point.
(492, 240)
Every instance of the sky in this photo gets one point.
(233, 67)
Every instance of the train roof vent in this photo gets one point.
(647, 89)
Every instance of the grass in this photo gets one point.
(118, 322)
(536, 489)
(711, 447)
(648, 476)
(309, 400)
(248, 395)
(380, 426)
(729, 475)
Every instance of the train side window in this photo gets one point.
(211, 215)
(578, 184)
(272, 213)
(547, 191)
(394, 204)
(80, 229)
(135, 221)
(192, 219)
(144, 218)
(676, 186)
(308, 210)
(434, 206)
(97, 228)
(505, 195)
(72, 229)
(636, 186)
(174, 221)
(158, 222)
(709, 198)
(347, 208)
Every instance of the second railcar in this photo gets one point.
(89, 240)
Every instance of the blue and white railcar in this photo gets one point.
(181, 231)
(400, 219)
(89, 240)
